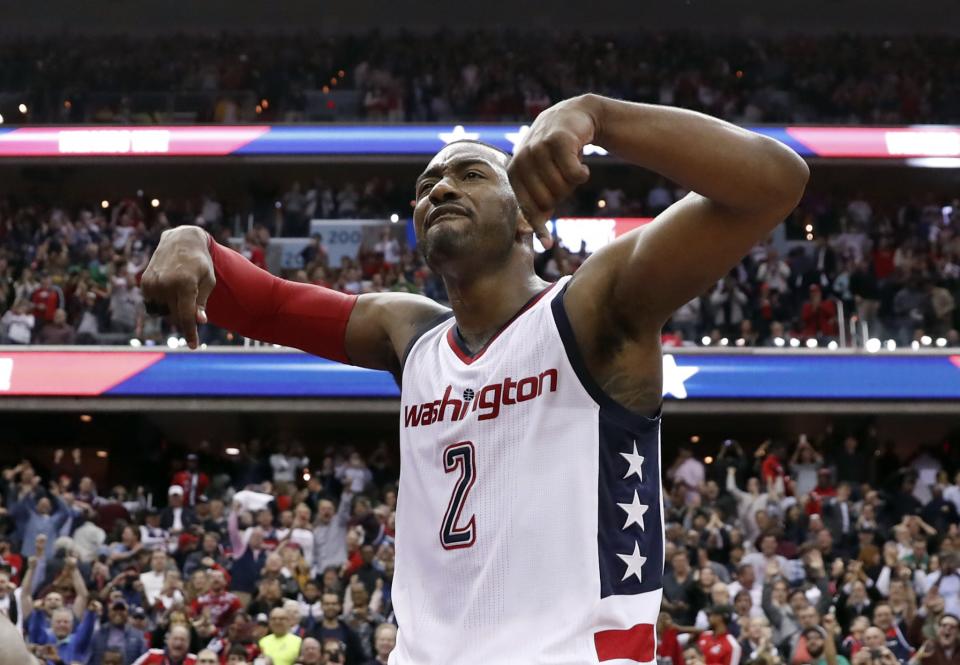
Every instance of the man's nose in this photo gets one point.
(444, 191)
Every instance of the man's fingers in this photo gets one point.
(186, 314)
(573, 170)
(204, 289)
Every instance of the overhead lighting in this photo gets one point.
(935, 162)
(794, 342)
(104, 204)
(740, 341)
(809, 236)
(705, 340)
(695, 438)
(891, 345)
(915, 345)
(779, 341)
(102, 454)
(708, 459)
(808, 228)
(154, 203)
(306, 475)
(86, 418)
(873, 345)
(926, 340)
(941, 342)
(833, 346)
(233, 452)
(601, 203)
(1, 118)
(724, 341)
(394, 218)
(135, 343)
(172, 342)
(811, 343)
(23, 109)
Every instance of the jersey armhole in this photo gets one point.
(609, 406)
(421, 330)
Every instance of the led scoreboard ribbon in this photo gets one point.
(931, 142)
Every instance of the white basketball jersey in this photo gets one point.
(529, 524)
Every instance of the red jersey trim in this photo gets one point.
(463, 353)
(637, 644)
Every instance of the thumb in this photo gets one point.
(204, 289)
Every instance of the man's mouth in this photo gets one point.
(444, 212)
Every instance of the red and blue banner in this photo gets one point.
(918, 141)
(686, 375)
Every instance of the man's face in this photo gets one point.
(207, 658)
(311, 653)
(331, 606)
(178, 641)
(873, 638)
(279, 624)
(808, 617)
(158, 562)
(118, 616)
(747, 577)
(235, 659)
(466, 209)
(768, 545)
(217, 581)
(883, 617)
(385, 642)
(53, 601)
(814, 643)
(62, 623)
(947, 631)
(43, 506)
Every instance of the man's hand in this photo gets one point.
(546, 167)
(179, 278)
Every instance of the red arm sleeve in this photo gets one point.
(256, 304)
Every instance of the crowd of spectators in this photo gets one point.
(832, 78)
(71, 277)
(827, 551)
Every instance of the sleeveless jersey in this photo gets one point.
(528, 522)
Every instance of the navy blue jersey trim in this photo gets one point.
(421, 331)
(611, 408)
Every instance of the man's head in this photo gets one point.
(279, 622)
(217, 581)
(808, 617)
(680, 563)
(175, 496)
(61, 623)
(118, 613)
(207, 657)
(330, 603)
(211, 542)
(112, 657)
(768, 544)
(385, 639)
(467, 217)
(948, 631)
(746, 575)
(44, 506)
(718, 617)
(178, 641)
(815, 641)
(158, 561)
(873, 638)
(238, 655)
(742, 603)
(52, 602)
(883, 616)
(311, 653)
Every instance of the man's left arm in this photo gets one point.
(742, 185)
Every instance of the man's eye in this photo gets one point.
(468, 174)
(424, 188)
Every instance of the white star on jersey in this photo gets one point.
(635, 511)
(634, 562)
(674, 376)
(458, 134)
(635, 460)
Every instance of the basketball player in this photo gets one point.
(529, 522)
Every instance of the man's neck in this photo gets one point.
(483, 303)
(331, 623)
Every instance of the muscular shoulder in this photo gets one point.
(382, 325)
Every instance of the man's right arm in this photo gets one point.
(191, 277)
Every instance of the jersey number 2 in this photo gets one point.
(459, 455)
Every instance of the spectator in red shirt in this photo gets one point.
(47, 300)
(176, 651)
(218, 603)
(772, 467)
(668, 644)
(717, 645)
(819, 316)
(193, 481)
(823, 490)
